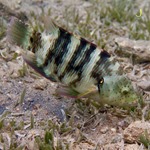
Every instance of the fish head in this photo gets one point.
(117, 90)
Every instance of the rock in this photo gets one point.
(104, 130)
(113, 130)
(117, 138)
(40, 84)
(118, 146)
(139, 50)
(2, 109)
(133, 147)
(133, 132)
(145, 85)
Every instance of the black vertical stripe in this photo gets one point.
(78, 68)
(63, 49)
(103, 59)
(104, 54)
(86, 58)
(77, 53)
(53, 53)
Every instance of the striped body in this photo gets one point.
(73, 61)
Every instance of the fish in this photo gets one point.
(80, 66)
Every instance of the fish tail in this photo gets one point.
(18, 33)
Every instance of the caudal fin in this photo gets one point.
(18, 33)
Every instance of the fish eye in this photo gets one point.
(31, 39)
(100, 83)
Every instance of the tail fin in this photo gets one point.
(18, 33)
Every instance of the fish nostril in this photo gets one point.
(125, 91)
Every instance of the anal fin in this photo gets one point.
(69, 92)
(89, 91)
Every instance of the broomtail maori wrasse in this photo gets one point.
(84, 69)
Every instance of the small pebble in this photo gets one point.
(113, 129)
(104, 130)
